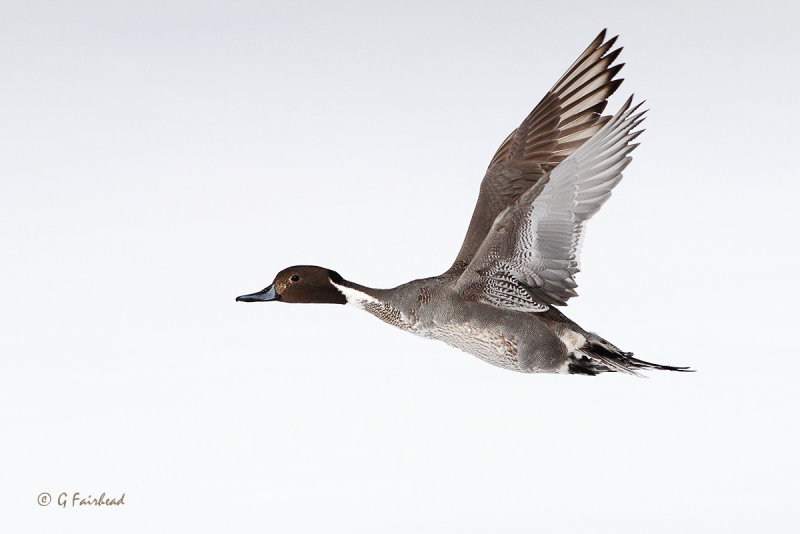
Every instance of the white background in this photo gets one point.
(158, 159)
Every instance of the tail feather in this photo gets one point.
(600, 356)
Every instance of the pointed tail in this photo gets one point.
(600, 356)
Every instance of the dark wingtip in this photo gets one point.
(614, 54)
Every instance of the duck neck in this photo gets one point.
(356, 294)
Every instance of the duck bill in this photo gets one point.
(265, 295)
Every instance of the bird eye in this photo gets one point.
(295, 278)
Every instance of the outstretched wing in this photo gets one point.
(530, 256)
(565, 118)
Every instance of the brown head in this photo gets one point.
(301, 283)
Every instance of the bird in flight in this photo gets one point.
(498, 301)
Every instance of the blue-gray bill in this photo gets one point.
(266, 294)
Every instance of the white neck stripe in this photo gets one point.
(354, 296)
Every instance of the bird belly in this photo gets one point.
(488, 344)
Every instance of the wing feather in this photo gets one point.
(568, 115)
(534, 245)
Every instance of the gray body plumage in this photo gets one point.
(528, 342)
(433, 308)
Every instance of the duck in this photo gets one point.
(517, 264)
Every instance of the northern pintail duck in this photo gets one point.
(520, 255)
